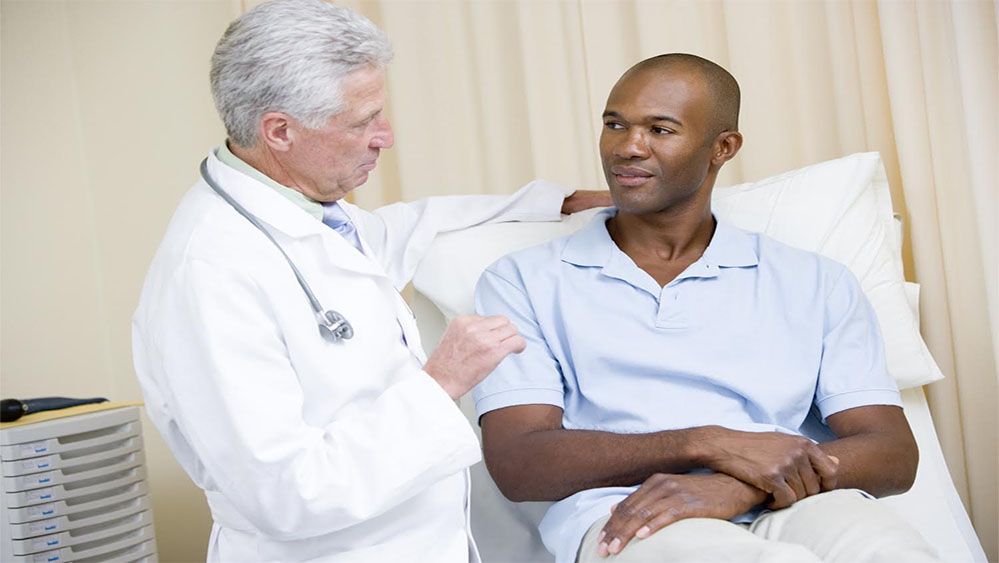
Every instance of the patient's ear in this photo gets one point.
(726, 146)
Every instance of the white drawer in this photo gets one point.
(77, 504)
(82, 535)
(130, 546)
(75, 489)
(70, 458)
(73, 474)
(80, 519)
(51, 437)
(144, 552)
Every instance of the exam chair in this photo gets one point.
(840, 208)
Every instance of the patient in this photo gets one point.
(676, 366)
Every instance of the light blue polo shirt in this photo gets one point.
(754, 336)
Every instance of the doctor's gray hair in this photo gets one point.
(290, 56)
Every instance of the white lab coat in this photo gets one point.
(306, 449)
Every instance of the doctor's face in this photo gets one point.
(328, 162)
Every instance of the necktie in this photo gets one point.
(336, 218)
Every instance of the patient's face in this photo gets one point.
(655, 145)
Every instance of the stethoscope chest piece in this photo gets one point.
(334, 327)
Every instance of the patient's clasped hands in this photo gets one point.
(750, 467)
(785, 466)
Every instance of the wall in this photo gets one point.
(106, 112)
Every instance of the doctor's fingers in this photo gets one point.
(516, 344)
(484, 331)
(494, 329)
(512, 344)
(503, 331)
(505, 340)
(476, 322)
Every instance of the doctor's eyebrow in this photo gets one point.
(650, 118)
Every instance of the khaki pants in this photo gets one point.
(837, 526)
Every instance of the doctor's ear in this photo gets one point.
(274, 130)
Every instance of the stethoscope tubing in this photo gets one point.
(338, 326)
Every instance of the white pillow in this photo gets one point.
(840, 208)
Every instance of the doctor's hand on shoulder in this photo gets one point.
(472, 346)
(581, 200)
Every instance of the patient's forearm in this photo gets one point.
(876, 450)
(531, 457)
(553, 464)
(872, 464)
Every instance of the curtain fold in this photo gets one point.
(952, 215)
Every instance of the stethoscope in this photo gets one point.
(332, 325)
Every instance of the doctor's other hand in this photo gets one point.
(472, 346)
(581, 200)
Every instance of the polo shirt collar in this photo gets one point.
(592, 246)
(731, 247)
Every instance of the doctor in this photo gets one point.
(337, 446)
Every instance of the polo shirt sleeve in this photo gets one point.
(534, 375)
(852, 372)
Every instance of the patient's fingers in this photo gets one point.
(784, 496)
(827, 467)
(663, 499)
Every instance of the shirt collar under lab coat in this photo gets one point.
(311, 206)
(278, 212)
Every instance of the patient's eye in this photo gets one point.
(662, 130)
(613, 125)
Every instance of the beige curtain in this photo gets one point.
(106, 112)
(488, 95)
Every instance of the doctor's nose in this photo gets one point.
(383, 138)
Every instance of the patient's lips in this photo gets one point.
(630, 175)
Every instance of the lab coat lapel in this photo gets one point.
(405, 315)
(285, 217)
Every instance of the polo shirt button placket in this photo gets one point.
(670, 314)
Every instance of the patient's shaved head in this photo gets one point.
(723, 88)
